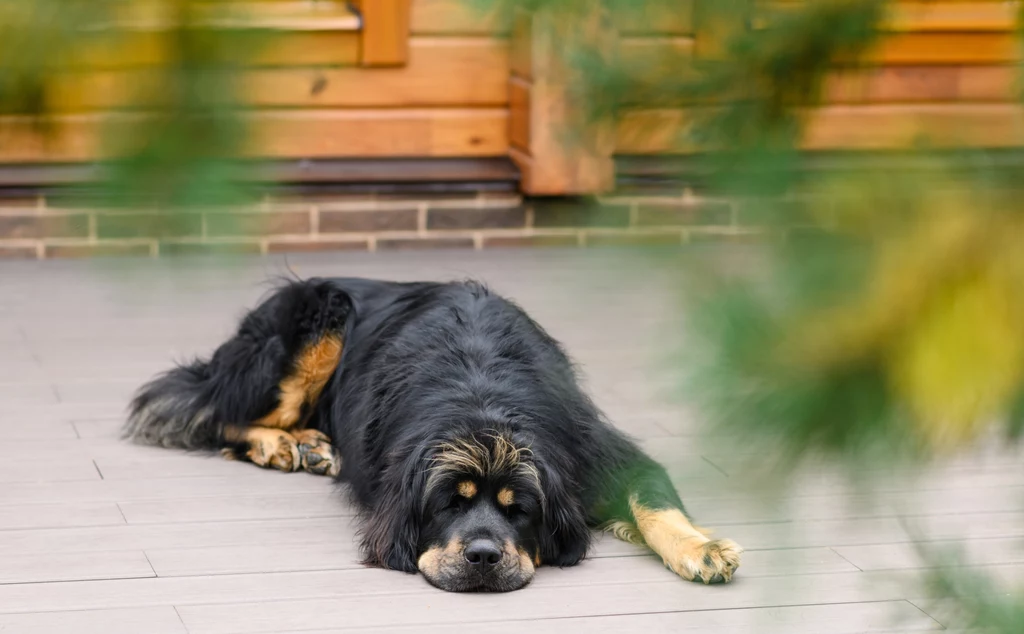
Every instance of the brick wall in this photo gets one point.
(40, 228)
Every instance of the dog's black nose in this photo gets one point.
(483, 554)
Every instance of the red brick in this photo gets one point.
(257, 223)
(152, 225)
(578, 213)
(750, 237)
(368, 221)
(395, 244)
(776, 213)
(209, 248)
(486, 218)
(706, 214)
(308, 199)
(17, 252)
(561, 240)
(635, 239)
(95, 250)
(36, 226)
(310, 246)
(33, 202)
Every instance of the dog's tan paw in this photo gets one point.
(684, 548)
(264, 447)
(276, 451)
(710, 562)
(317, 455)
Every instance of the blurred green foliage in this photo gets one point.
(883, 324)
(172, 146)
(859, 333)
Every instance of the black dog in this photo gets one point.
(456, 420)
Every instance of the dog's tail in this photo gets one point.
(191, 406)
(176, 409)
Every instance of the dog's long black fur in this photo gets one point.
(422, 363)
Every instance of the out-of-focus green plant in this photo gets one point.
(37, 37)
(885, 325)
(171, 139)
(183, 152)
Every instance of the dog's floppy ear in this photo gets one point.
(564, 534)
(392, 532)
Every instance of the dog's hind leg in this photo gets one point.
(305, 450)
(270, 374)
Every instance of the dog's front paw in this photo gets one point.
(317, 455)
(706, 562)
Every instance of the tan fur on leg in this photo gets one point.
(306, 449)
(683, 547)
(268, 448)
(300, 390)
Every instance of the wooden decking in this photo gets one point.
(97, 535)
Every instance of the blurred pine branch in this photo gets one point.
(180, 150)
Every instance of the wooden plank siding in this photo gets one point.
(854, 127)
(475, 71)
(372, 133)
(942, 71)
(448, 80)
(441, 92)
(385, 32)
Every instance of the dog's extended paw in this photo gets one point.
(317, 455)
(708, 562)
(270, 449)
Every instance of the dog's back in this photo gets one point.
(425, 360)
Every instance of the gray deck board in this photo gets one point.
(97, 535)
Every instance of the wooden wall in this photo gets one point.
(313, 92)
(454, 83)
(944, 71)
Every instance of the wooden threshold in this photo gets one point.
(674, 171)
(328, 175)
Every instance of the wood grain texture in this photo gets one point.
(132, 49)
(155, 620)
(456, 17)
(39, 567)
(381, 133)
(519, 114)
(660, 17)
(288, 134)
(458, 72)
(554, 157)
(239, 549)
(940, 16)
(283, 15)
(945, 48)
(923, 84)
(850, 127)
(385, 32)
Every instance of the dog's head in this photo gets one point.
(483, 512)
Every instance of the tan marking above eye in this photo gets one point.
(506, 497)
(467, 489)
